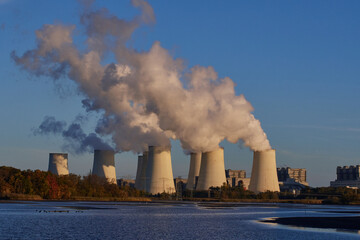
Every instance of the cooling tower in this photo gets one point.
(138, 173)
(104, 165)
(212, 170)
(159, 176)
(263, 175)
(58, 163)
(195, 161)
(140, 182)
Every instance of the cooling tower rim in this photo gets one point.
(160, 146)
(268, 150)
(101, 150)
(219, 148)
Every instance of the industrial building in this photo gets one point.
(347, 176)
(292, 179)
(58, 163)
(237, 178)
(125, 182)
(297, 174)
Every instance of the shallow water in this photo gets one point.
(114, 220)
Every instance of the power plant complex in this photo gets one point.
(154, 172)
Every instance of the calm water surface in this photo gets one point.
(113, 220)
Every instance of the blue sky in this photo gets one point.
(297, 62)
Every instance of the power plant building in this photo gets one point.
(263, 175)
(297, 174)
(159, 175)
(237, 178)
(292, 179)
(104, 165)
(347, 176)
(58, 163)
(212, 170)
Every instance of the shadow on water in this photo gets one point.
(348, 224)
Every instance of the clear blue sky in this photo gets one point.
(297, 62)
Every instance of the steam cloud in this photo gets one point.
(145, 98)
(76, 139)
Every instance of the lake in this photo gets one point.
(122, 220)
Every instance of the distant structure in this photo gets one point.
(194, 170)
(237, 178)
(58, 163)
(298, 174)
(212, 170)
(347, 176)
(263, 174)
(125, 182)
(292, 179)
(104, 165)
(159, 175)
(180, 184)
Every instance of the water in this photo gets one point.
(113, 220)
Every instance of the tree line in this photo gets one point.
(50, 186)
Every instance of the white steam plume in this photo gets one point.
(141, 96)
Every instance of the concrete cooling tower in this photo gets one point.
(138, 173)
(159, 175)
(104, 165)
(58, 163)
(140, 181)
(195, 161)
(212, 170)
(263, 175)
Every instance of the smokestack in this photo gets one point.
(138, 173)
(159, 175)
(58, 163)
(263, 175)
(212, 170)
(104, 165)
(195, 161)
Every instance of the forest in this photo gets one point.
(45, 185)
